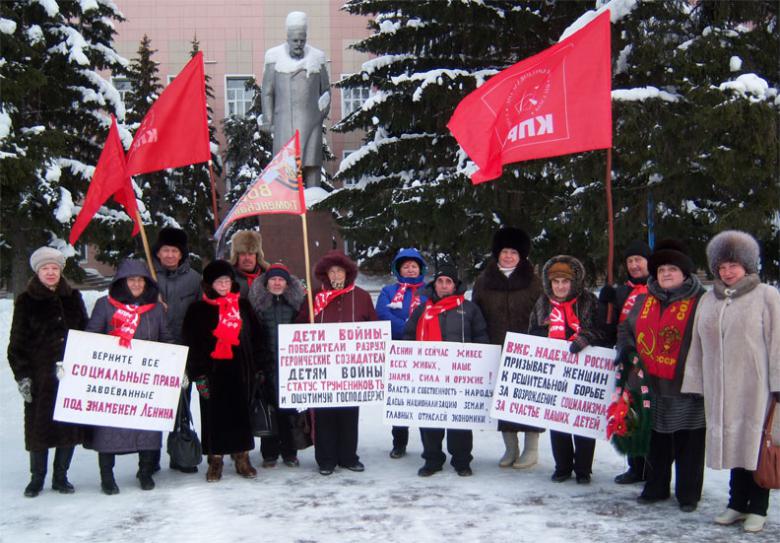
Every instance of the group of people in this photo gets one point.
(710, 360)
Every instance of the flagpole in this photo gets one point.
(213, 196)
(307, 263)
(610, 229)
(146, 245)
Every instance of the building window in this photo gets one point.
(122, 85)
(238, 99)
(352, 98)
(82, 253)
(351, 182)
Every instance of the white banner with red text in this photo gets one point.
(332, 364)
(106, 384)
(542, 384)
(437, 384)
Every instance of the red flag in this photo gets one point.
(108, 180)
(554, 103)
(175, 130)
(277, 190)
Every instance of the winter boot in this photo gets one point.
(243, 465)
(512, 449)
(214, 473)
(147, 461)
(530, 451)
(62, 458)
(38, 461)
(107, 482)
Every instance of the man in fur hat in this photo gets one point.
(247, 259)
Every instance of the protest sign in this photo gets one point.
(332, 364)
(106, 384)
(542, 384)
(437, 384)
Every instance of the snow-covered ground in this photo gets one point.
(388, 502)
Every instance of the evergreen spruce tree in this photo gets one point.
(54, 117)
(249, 151)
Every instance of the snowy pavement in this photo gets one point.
(386, 503)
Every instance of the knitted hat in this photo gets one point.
(560, 270)
(174, 237)
(670, 251)
(447, 270)
(277, 270)
(733, 246)
(217, 269)
(247, 241)
(46, 255)
(637, 248)
(511, 238)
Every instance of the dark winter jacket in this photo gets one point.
(354, 306)
(272, 310)
(691, 288)
(506, 302)
(622, 293)
(151, 327)
(243, 280)
(178, 289)
(586, 307)
(225, 422)
(399, 315)
(464, 324)
(39, 329)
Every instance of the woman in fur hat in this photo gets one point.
(736, 340)
(225, 355)
(658, 330)
(276, 297)
(506, 292)
(568, 311)
(339, 300)
(396, 303)
(43, 314)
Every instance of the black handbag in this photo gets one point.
(300, 424)
(183, 444)
(262, 413)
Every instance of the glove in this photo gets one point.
(578, 344)
(608, 295)
(185, 381)
(25, 389)
(59, 371)
(260, 378)
(202, 384)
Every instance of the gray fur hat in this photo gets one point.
(733, 246)
(247, 241)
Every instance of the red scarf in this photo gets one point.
(325, 297)
(428, 327)
(561, 314)
(636, 290)
(125, 320)
(228, 325)
(659, 335)
(398, 299)
(250, 277)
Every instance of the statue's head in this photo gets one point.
(296, 33)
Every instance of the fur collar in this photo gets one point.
(520, 278)
(261, 299)
(743, 286)
(39, 291)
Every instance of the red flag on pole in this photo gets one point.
(108, 180)
(277, 190)
(554, 103)
(175, 130)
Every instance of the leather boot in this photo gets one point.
(147, 461)
(107, 482)
(214, 473)
(512, 449)
(62, 458)
(243, 465)
(530, 454)
(38, 461)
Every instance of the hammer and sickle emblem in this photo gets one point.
(641, 341)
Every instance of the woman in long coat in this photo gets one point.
(131, 311)
(225, 355)
(734, 361)
(506, 292)
(658, 330)
(43, 314)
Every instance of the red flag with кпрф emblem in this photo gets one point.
(554, 103)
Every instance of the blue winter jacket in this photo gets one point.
(399, 315)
